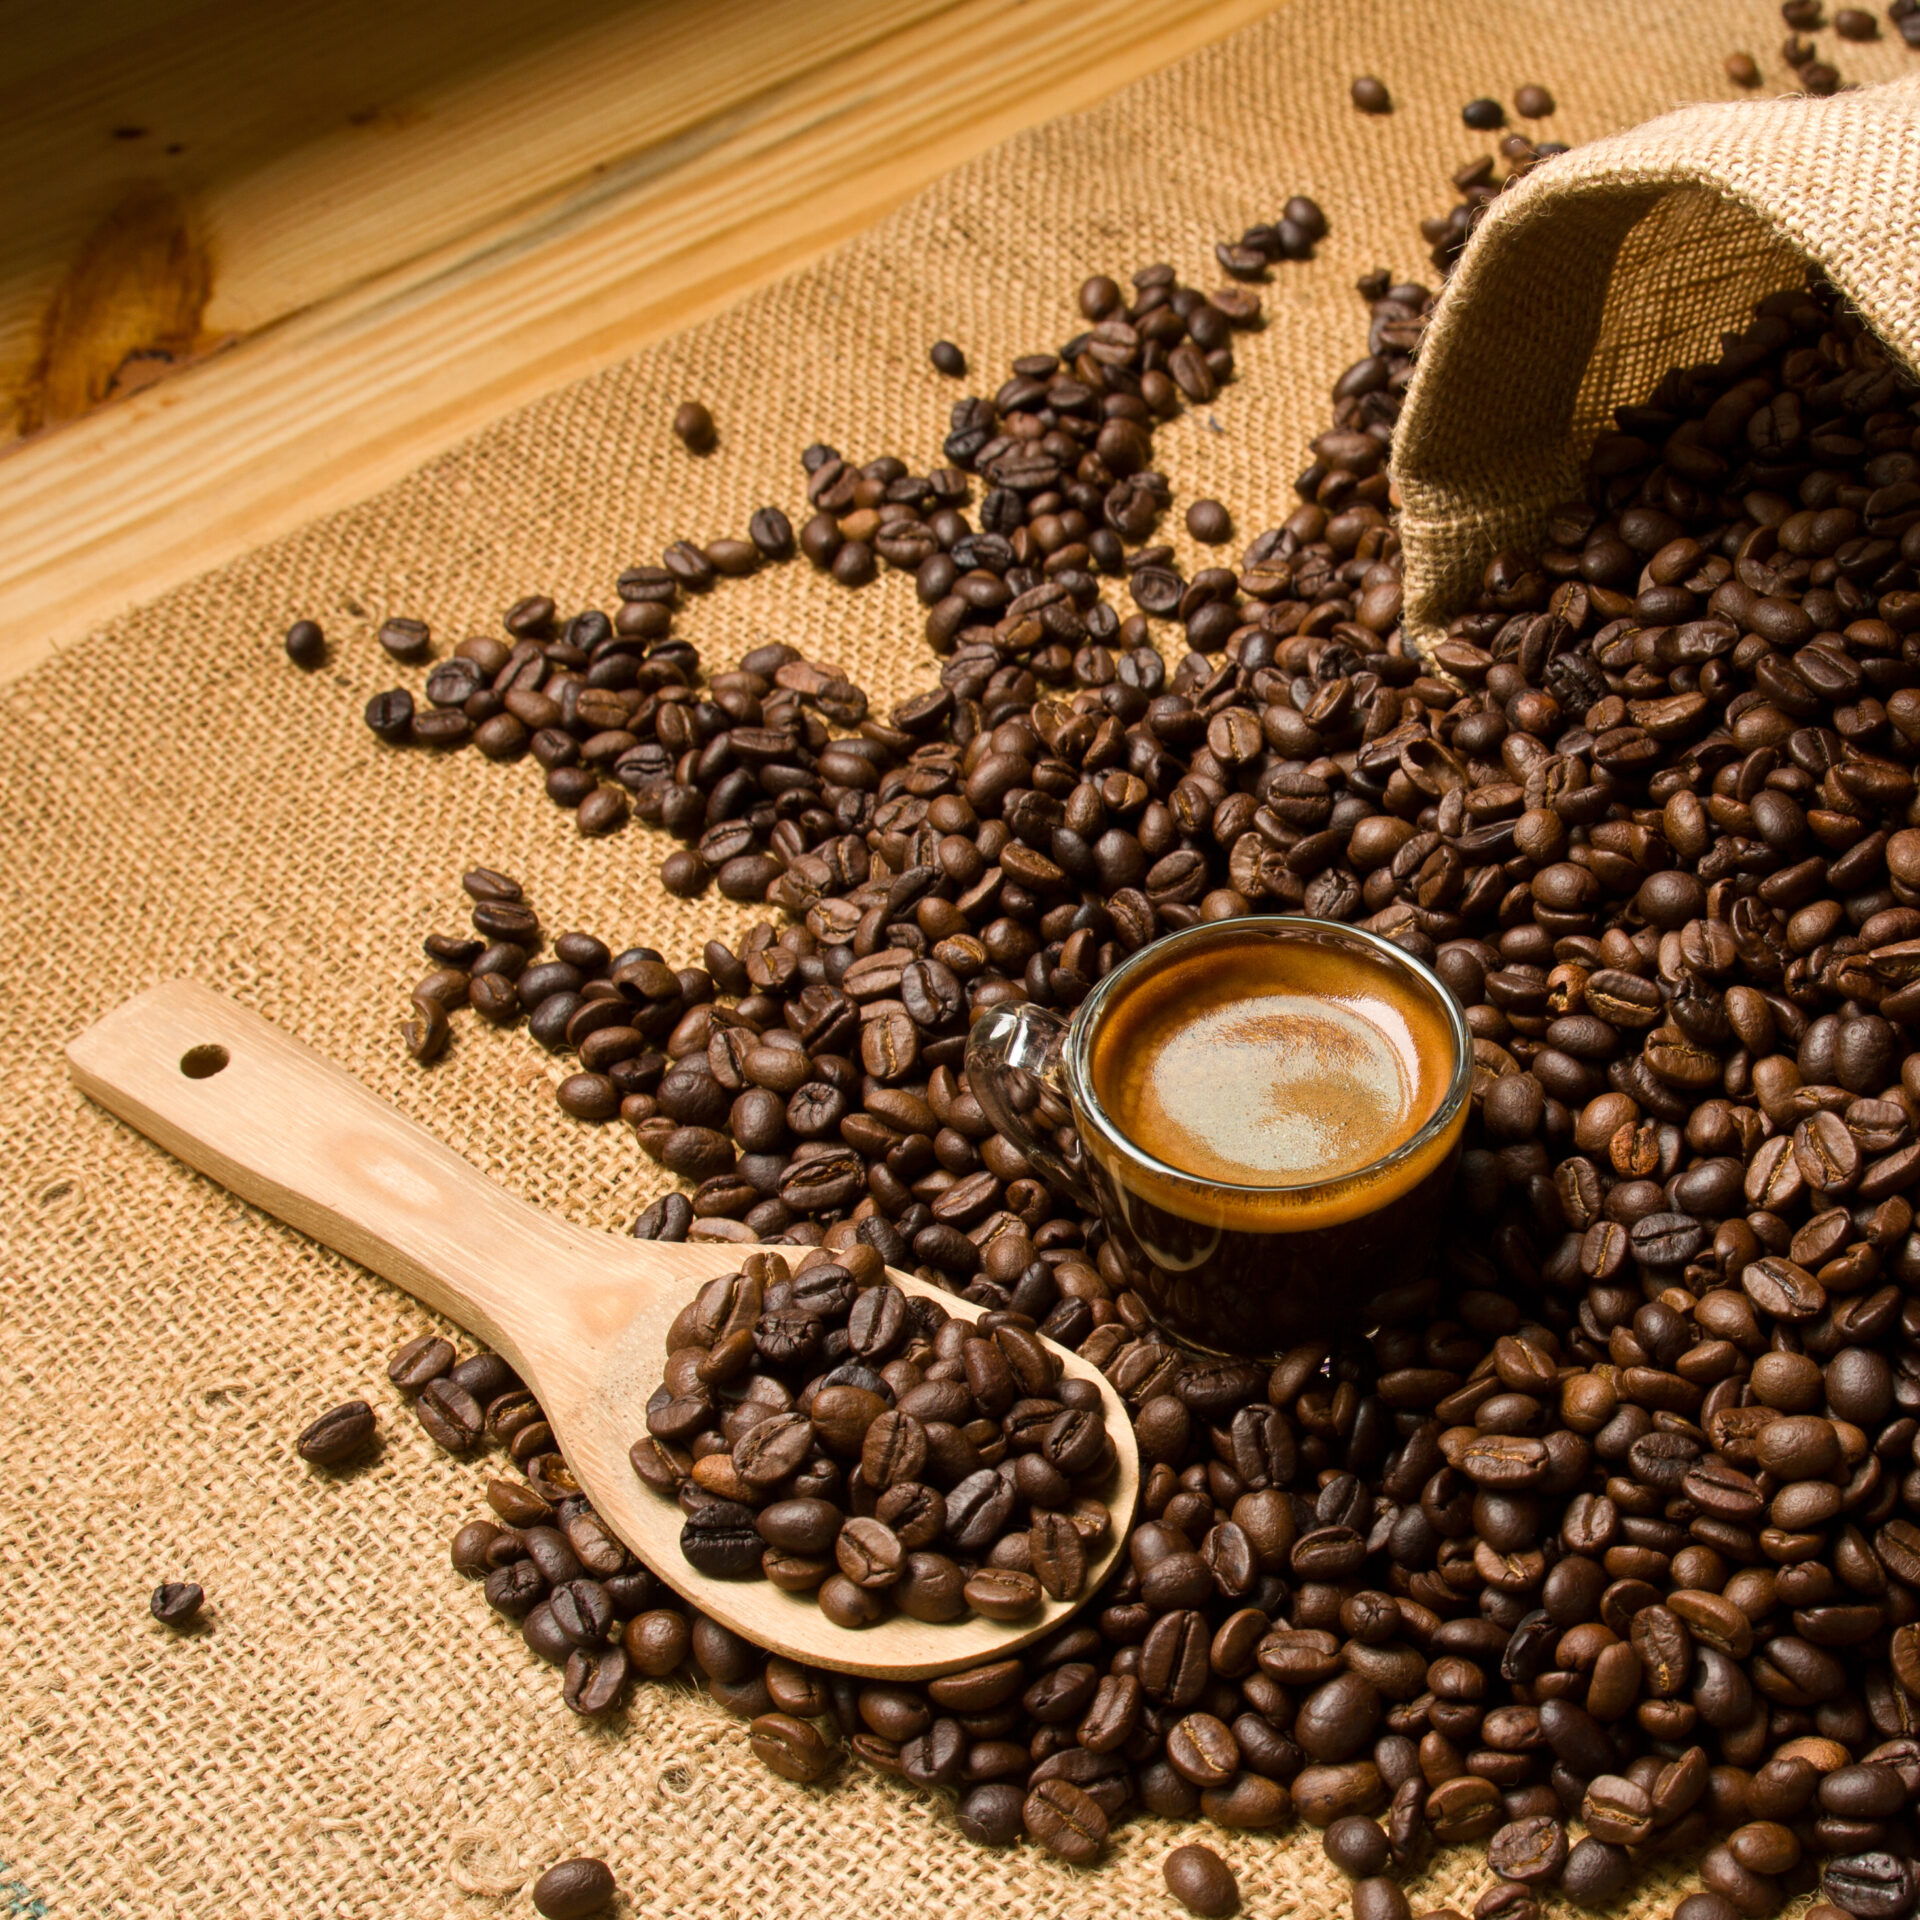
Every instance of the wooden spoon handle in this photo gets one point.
(272, 1121)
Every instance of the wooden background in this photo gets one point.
(256, 261)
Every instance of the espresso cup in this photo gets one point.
(1265, 1112)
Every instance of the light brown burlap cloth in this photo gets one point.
(352, 1734)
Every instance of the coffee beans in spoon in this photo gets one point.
(828, 1432)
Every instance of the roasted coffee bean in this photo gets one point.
(1356, 1845)
(176, 1603)
(1209, 522)
(574, 1889)
(451, 1415)
(1066, 1821)
(719, 1539)
(595, 1680)
(1531, 1851)
(306, 645)
(791, 1746)
(693, 427)
(419, 1361)
(656, 1642)
(1201, 1881)
(1596, 1874)
(992, 1815)
(405, 638)
(337, 1436)
(1003, 1593)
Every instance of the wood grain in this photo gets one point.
(386, 278)
(581, 1316)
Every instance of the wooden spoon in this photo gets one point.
(581, 1316)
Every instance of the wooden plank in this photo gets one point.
(326, 405)
(284, 154)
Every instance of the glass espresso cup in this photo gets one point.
(1265, 1112)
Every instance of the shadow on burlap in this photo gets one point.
(352, 1733)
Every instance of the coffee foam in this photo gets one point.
(1274, 1064)
(1275, 1089)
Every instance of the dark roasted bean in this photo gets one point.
(337, 1436)
(176, 1603)
(1201, 1881)
(574, 1889)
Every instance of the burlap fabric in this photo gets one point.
(352, 1734)
(1590, 278)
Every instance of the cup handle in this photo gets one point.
(1016, 1070)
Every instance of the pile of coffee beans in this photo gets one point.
(1617, 1521)
(1621, 1528)
(826, 1430)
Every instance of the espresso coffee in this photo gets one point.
(1272, 1063)
(1266, 1112)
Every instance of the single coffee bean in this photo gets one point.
(337, 1435)
(1003, 1593)
(948, 359)
(175, 1603)
(992, 1815)
(1066, 1821)
(306, 645)
(1531, 1851)
(451, 1415)
(1209, 522)
(1201, 1881)
(595, 1679)
(1357, 1846)
(574, 1889)
(1371, 95)
(792, 1747)
(405, 638)
(693, 427)
(420, 1361)
(719, 1539)
(1380, 1899)
(390, 716)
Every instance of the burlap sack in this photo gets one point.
(1590, 278)
(352, 1734)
